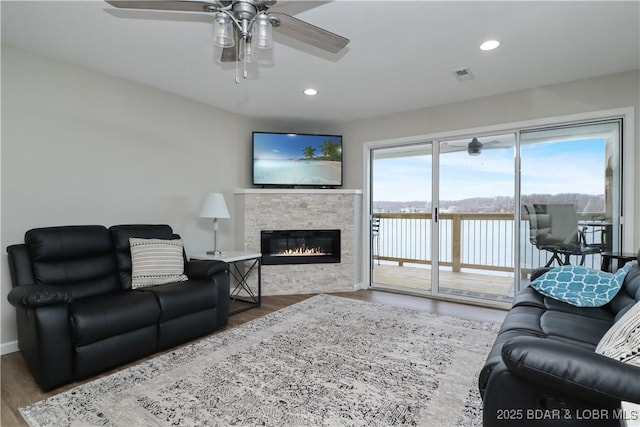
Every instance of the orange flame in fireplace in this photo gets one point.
(302, 252)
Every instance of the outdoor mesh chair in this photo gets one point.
(554, 228)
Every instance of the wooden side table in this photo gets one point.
(241, 265)
(621, 259)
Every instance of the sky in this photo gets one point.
(286, 146)
(547, 168)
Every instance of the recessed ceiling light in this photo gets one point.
(490, 45)
(310, 92)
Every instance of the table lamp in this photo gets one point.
(214, 207)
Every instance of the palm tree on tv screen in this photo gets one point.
(309, 152)
(331, 150)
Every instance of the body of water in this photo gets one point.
(483, 242)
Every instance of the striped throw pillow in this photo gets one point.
(622, 340)
(156, 262)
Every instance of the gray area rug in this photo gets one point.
(325, 361)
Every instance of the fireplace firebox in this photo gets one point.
(300, 246)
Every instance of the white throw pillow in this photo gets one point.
(156, 262)
(622, 340)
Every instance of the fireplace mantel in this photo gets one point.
(257, 209)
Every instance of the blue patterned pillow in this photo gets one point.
(581, 286)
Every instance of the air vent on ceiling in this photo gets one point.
(463, 74)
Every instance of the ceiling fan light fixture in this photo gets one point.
(246, 54)
(475, 147)
(222, 30)
(262, 32)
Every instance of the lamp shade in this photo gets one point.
(214, 207)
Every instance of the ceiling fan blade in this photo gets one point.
(179, 5)
(495, 144)
(229, 54)
(307, 33)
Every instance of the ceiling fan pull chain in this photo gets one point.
(245, 56)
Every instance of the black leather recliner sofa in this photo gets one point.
(77, 314)
(543, 370)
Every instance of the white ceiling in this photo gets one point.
(401, 55)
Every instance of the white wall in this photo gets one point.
(582, 96)
(80, 147)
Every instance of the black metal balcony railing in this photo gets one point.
(480, 241)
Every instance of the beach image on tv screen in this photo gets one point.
(288, 159)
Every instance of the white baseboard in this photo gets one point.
(9, 347)
(358, 286)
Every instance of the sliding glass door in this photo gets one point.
(463, 245)
(575, 167)
(461, 217)
(476, 209)
(400, 229)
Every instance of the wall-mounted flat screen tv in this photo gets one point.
(297, 160)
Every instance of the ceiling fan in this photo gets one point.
(475, 146)
(241, 25)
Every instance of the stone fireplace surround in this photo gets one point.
(290, 209)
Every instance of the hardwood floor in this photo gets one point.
(19, 389)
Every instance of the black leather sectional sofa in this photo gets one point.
(77, 314)
(543, 370)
